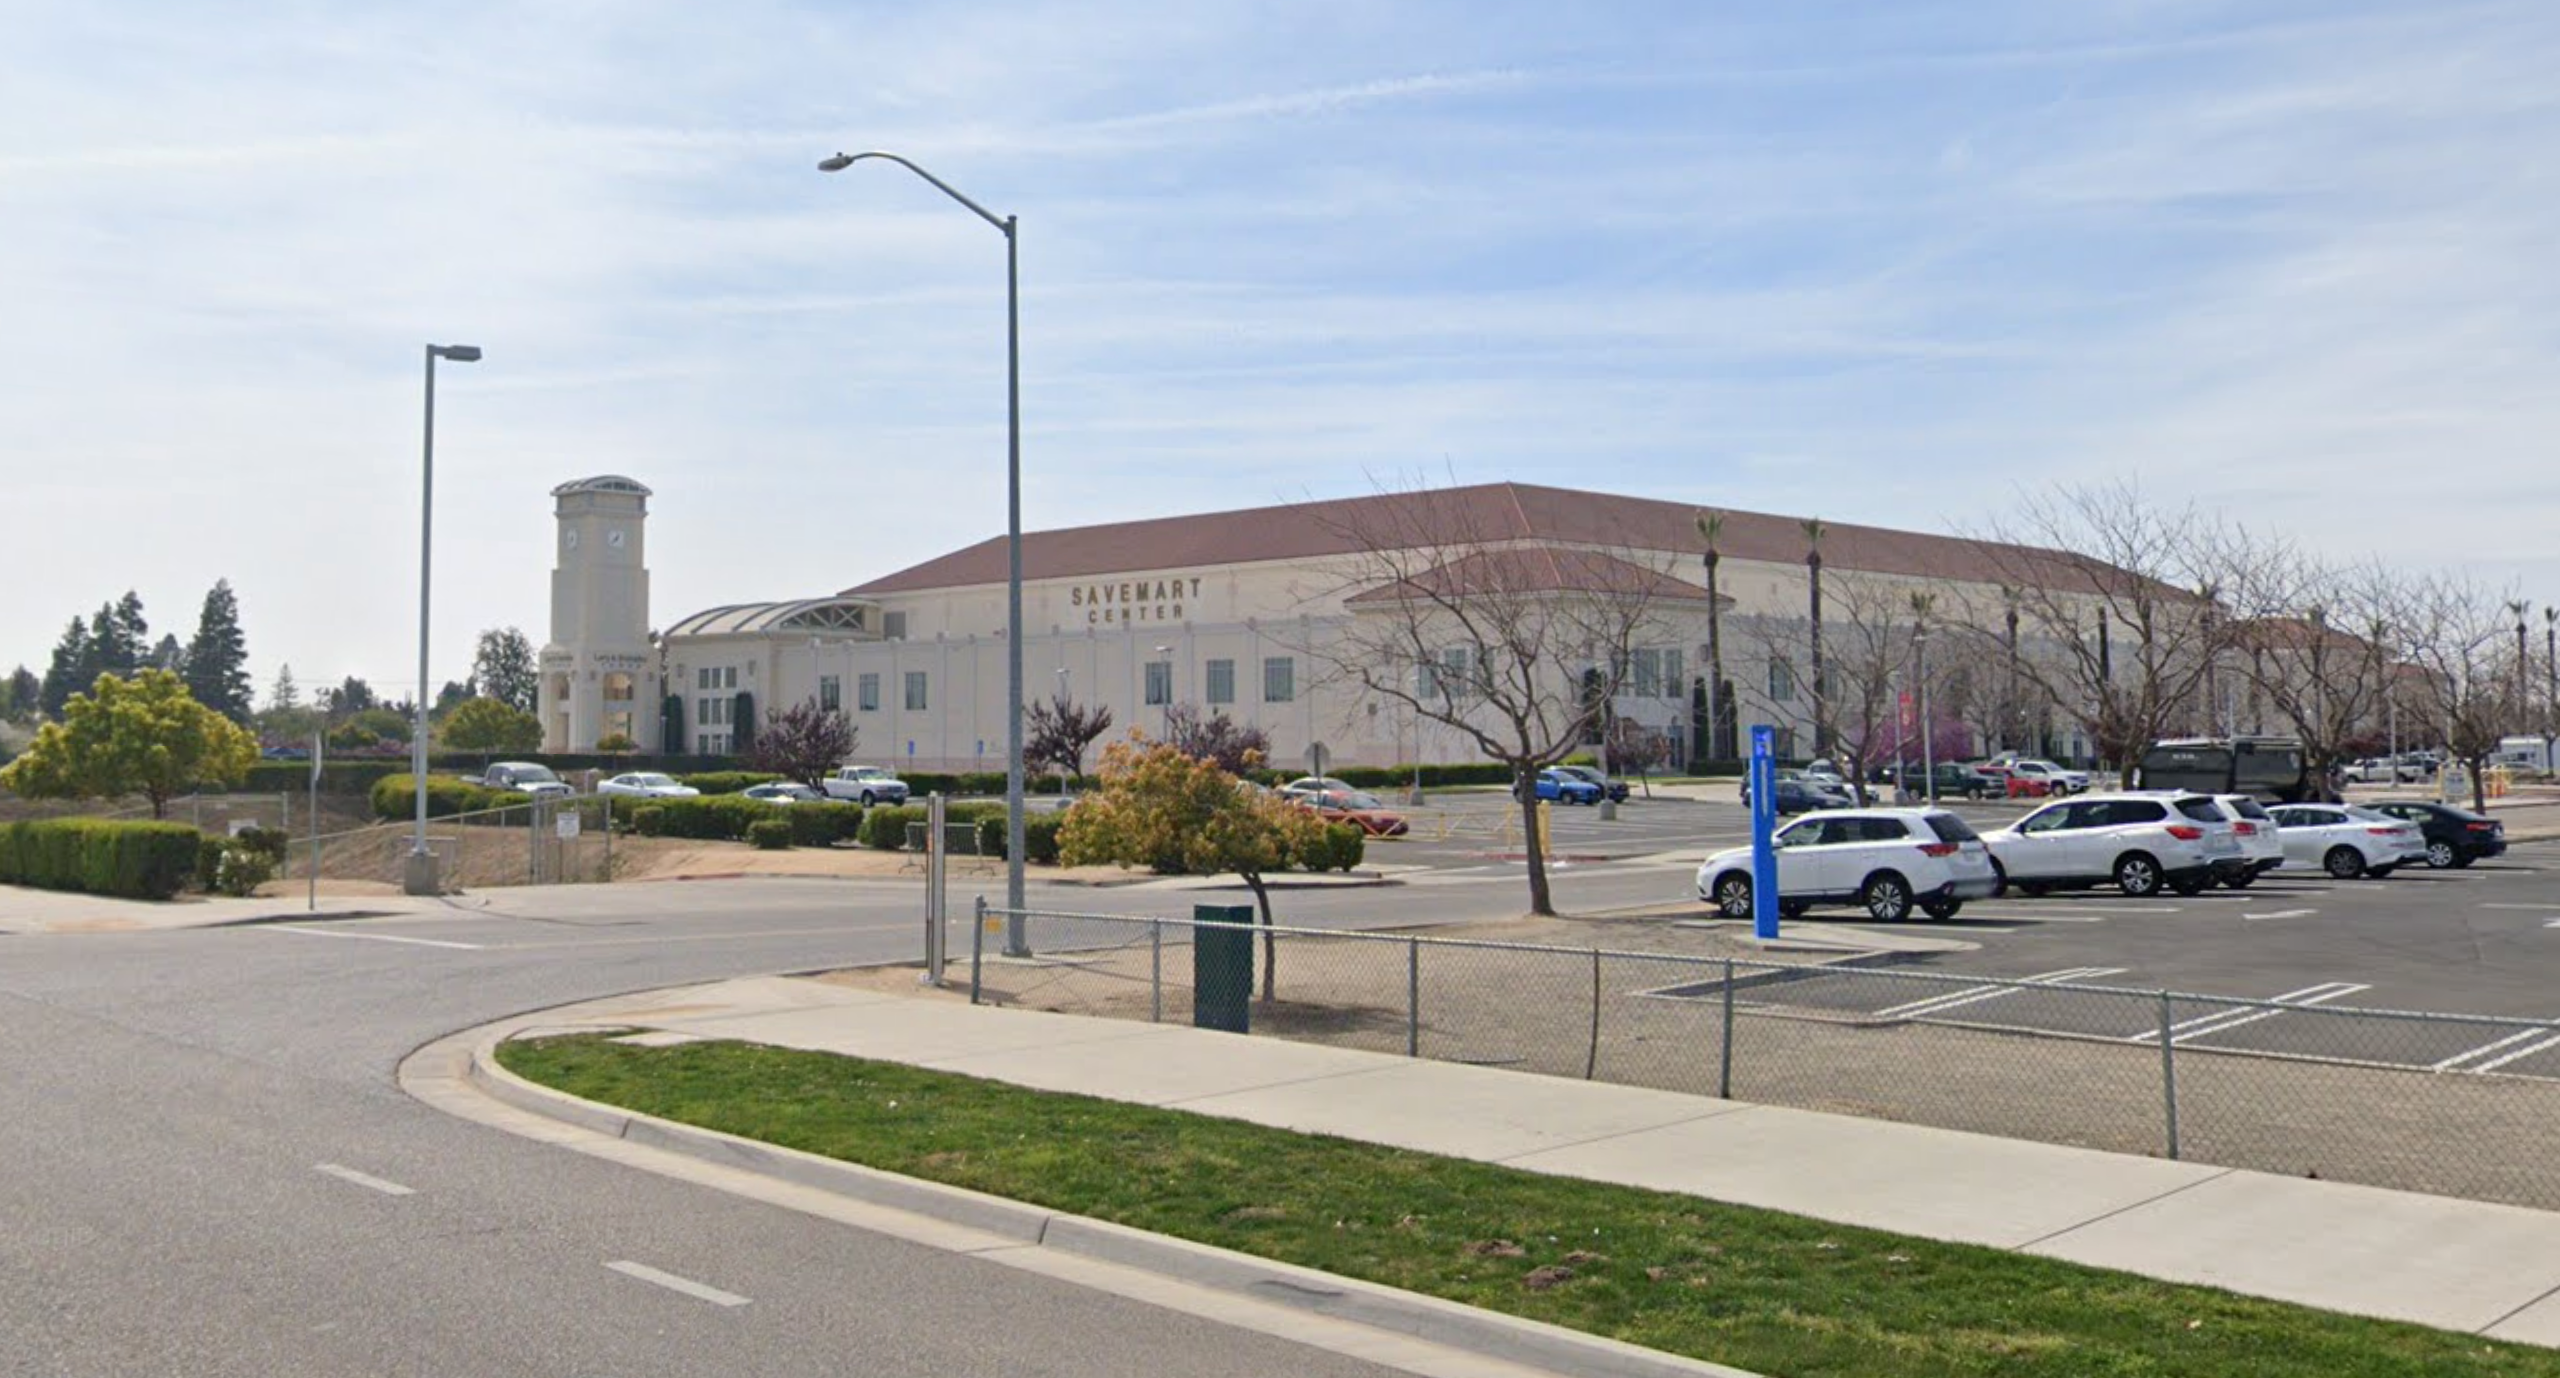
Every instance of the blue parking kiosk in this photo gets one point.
(1764, 822)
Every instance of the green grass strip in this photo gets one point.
(1764, 1290)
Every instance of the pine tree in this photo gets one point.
(169, 655)
(62, 679)
(25, 695)
(217, 660)
(116, 638)
(285, 696)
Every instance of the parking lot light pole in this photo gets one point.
(420, 877)
(1928, 748)
(1015, 944)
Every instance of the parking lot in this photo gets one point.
(2483, 941)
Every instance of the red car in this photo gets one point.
(1356, 806)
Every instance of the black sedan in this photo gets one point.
(2455, 837)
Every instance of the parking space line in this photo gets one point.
(2279, 914)
(672, 1283)
(2221, 1021)
(1972, 994)
(370, 937)
(2484, 1049)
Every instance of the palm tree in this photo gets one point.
(1814, 531)
(1711, 530)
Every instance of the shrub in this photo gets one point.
(99, 856)
(886, 828)
(395, 797)
(714, 817)
(267, 842)
(1343, 847)
(770, 834)
(823, 825)
(728, 781)
(1039, 836)
(234, 866)
(650, 820)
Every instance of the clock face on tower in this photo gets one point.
(614, 538)
(569, 539)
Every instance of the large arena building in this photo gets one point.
(1248, 613)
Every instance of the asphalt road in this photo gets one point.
(211, 1171)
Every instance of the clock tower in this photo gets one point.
(599, 672)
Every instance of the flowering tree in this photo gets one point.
(1217, 738)
(145, 735)
(803, 742)
(1182, 815)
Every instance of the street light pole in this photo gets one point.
(420, 877)
(1928, 748)
(1015, 942)
(1167, 653)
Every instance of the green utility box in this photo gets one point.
(1222, 967)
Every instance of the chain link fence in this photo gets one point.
(2456, 1105)
(549, 842)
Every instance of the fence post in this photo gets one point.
(2169, 1071)
(1413, 997)
(608, 838)
(1155, 971)
(1591, 1063)
(1724, 1053)
(977, 945)
(533, 843)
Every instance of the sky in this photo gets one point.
(1896, 264)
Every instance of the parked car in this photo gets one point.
(2383, 770)
(1569, 789)
(783, 792)
(1799, 793)
(525, 777)
(1883, 860)
(1308, 786)
(866, 785)
(2055, 779)
(1952, 780)
(2140, 843)
(2261, 850)
(1615, 789)
(2348, 840)
(647, 784)
(1359, 807)
(2455, 837)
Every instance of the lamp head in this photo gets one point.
(460, 354)
(837, 163)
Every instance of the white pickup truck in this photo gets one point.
(866, 784)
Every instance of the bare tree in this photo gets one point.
(1058, 733)
(803, 742)
(1516, 648)
(2456, 644)
(1216, 738)
(1637, 750)
(2310, 644)
(2112, 629)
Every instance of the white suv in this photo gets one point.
(2261, 850)
(2139, 842)
(1884, 860)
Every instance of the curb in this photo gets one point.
(1488, 1333)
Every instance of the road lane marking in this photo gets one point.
(2221, 1020)
(370, 937)
(2280, 914)
(2540, 908)
(1947, 1000)
(672, 1283)
(364, 1179)
(2527, 1050)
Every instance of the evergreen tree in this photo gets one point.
(71, 655)
(217, 660)
(24, 695)
(352, 696)
(449, 698)
(116, 638)
(169, 655)
(285, 696)
(505, 670)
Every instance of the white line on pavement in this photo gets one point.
(2544, 908)
(2222, 1020)
(2527, 1050)
(364, 1179)
(673, 1283)
(2486, 1048)
(2280, 914)
(374, 937)
(1947, 1000)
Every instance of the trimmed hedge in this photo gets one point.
(99, 856)
(1345, 845)
(1039, 836)
(885, 829)
(396, 797)
(727, 781)
(770, 834)
(816, 824)
(732, 817)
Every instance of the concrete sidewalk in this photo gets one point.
(2458, 1265)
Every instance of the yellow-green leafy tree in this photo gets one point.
(1181, 815)
(145, 735)
(487, 724)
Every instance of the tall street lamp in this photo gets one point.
(1015, 944)
(420, 876)
(1167, 662)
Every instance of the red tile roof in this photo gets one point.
(1492, 512)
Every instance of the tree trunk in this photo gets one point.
(1270, 940)
(1540, 901)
